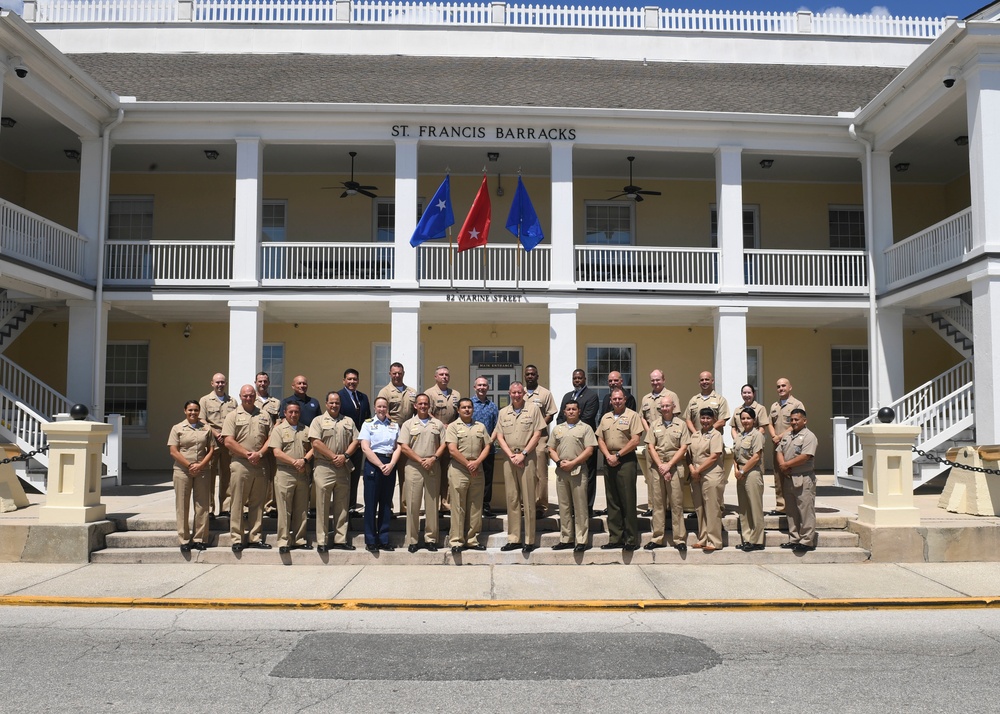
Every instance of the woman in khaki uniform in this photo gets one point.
(748, 449)
(706, 469)
(749, 395)
(191, 445)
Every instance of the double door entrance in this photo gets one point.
(500, 367)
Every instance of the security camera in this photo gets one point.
(17, 64)
(950, 78)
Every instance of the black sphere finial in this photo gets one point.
(886, 415)
(79, 412)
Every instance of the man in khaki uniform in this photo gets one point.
(470, 446)
(215, 407)
(796, 453)
(400, 399)
(570, 445)
(618, 436)
(649, 412)
(667, 443)
(421, 439)
(334, 439)
(779, 425)
(444, 407)
(709, 398)
(272, 405)
(245, 432)
(519, 428)
(289, 442)
(546, 403)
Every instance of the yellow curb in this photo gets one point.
(496, 605)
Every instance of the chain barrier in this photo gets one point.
(942, 460)
(24, 457)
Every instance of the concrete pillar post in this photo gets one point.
(405, 255)
(729, 209)
(74, 481)
(730, 353)
(888, 475)
(405, 335)
(84, 379)
(246, 341)
(982, 93)
(986, 368)
(90, 203)
(562, 346)
(249, 199)
(563, 260)
(880, 210)
(885, 348)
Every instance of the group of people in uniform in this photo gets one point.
(278, 456)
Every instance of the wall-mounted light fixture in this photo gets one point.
(960, 140)
(72, 154)
(766, 163)
(211, 154)
(7, 122)
(902, 167)
(493, 155)
(187, 330)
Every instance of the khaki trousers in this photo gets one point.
(221, 468)
(466, 495)
(421, 484)
(520, 486)
(270, 469)
(713, 486)
(291, 493)
(331, 483)
(779, 491)
(542, 475)
(801, 508)
(574, 515)
(750, 492)
(247, 486)
(670, 496)
(648, 469)
(200, 487)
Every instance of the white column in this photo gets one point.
(986, 367)
(983, 104)
(90, 202)
(729, 203)
(730, 353)
(563, 260)
(246, 341)
(405, 255)
(83, 385)
(880, 210)
(562, 346)
(405, 335)
(885, 351)
(249, 197)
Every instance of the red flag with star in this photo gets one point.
(476, 228)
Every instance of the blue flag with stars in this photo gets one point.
(522, 220)
(437, 216)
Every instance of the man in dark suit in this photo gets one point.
(589, 405)
(354, 404)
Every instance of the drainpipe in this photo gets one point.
(875, 361)
(102, 231)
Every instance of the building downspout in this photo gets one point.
(102, 231)
(875, 361)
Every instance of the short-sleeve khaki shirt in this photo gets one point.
(792, 445)
(271, 405)
(617, 430)
(518, 428)
(649, 407)
(292, 440)
(667, 439)
(758, 409)
(249, 429)
(714, 401)
(746, 445)
(193, 441)
(781, 415)
(704, 445)
(214, 412)
(543, 399)
(336, 434)
(569, 441)
(400, 402)
(424, 439)
(443, 407)
(470, 439)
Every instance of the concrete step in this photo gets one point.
(544, 556)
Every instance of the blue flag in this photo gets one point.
(437, 216)
(522, 220)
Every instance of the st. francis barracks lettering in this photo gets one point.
(431, 131)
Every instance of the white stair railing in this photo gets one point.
(22, 425)
(961, 317)
(40, 397)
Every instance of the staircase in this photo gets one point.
(14, 318)
(954, 324)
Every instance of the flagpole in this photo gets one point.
(518, 259)
(451, 262)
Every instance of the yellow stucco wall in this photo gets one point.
(41, 349)
(12, 181)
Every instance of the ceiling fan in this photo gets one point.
(352, 187)
(634, 192)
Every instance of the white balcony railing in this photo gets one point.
(493, 266)
(942, 246)
(36, 240)
(168, 262)
(347, 264)
(403, 12)
(806, 271)
(623, 266)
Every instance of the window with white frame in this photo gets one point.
(753, 369)
(384, 220)
(602, 359)
(751, 226)
(273, 362)
(273, 220)
(126, 378)
(130, 218)
(847, 227)
(849, 376)
(609, 223)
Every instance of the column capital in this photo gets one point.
(730, 311)
(244, 304)
(405, 305)
(564, 307)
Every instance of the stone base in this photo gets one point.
(873, 516)
(71, 515)
(52, 543)
(930, 544)
(974, 493)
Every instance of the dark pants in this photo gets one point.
(623, 521)
(488, 479)
(358, 460)
(378, 502)
(592, 480)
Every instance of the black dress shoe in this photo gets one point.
(344, 546)
(681, 547)
(412, 548)
(237, 547)
(456, 549)
(198, 546)
(282, 549)
(321, 549)
(312, 512)
(756, 546)
(528, 548)
(260, 545)
(788, 545)
(579, 549)
(601, 512)
(775, 513)
(510, 546)
(647, 513)
(371, 548)
(211, 516)
(488, 512)
(802, 548)
(432, 547)
(386, 547)
(630, 547)
(653, 546)
(223, 514)
(304, 546)
(562, 546)
(477, 546)
(186, 548)
(612, 546)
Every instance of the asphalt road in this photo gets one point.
(87, 660)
